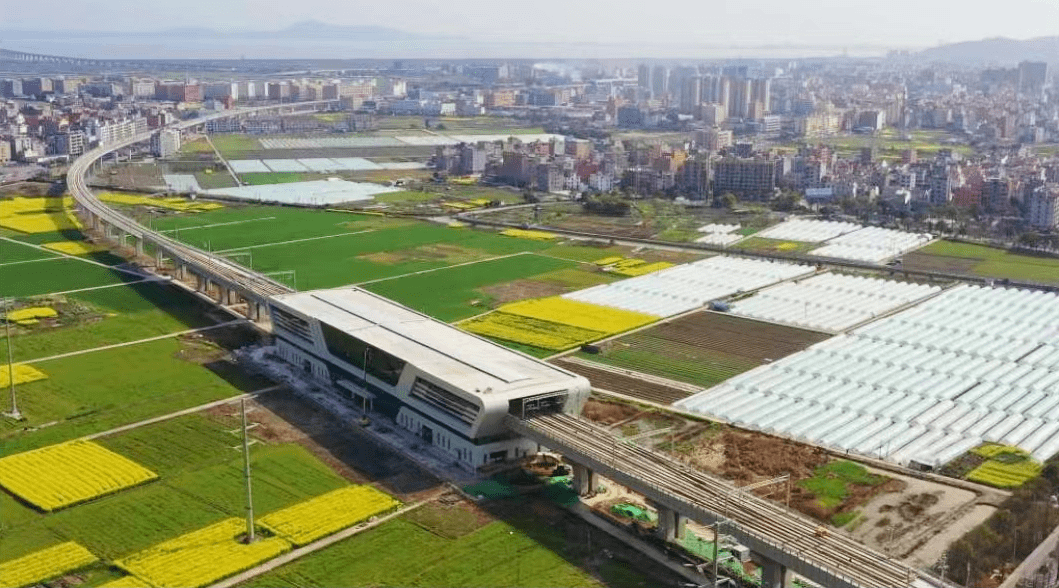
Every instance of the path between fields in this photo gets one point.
(180, 413)
(29, 261)
(436, 269)
(138, 341)
(320, 544)
(294, 241)
(238, 222)
(68, 256)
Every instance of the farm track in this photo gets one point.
(854, 563)
(611, 379)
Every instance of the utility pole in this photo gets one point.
(15, 414)
(245, 448)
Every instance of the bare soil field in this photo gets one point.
(704, 348)
(629, 385)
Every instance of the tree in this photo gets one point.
(729, 201)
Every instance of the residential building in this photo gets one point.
(165, 143)
(1042, 207)
(746, 178)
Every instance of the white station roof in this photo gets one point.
(436, 348)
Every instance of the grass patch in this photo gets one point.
(60, 275)
(499, 554)
(100, 390)
(981, 260)
(108, 316)
(453, 293)
(831, 482)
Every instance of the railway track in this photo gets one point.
(842, 557)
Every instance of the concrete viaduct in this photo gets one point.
(228, 283)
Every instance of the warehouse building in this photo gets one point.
(451, 388)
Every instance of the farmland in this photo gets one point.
(90, 392)
(979, 260)
(703, 348)
(522, 549)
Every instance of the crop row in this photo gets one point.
(202, 557)
(44, 564)
(530, 331)
(318, 517)
(1005, 475)
(65, 474)
(579, 314)
(528, 234)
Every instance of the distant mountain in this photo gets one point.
(996, 51)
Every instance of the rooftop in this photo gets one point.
(439, 349)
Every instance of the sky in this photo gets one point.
(834, 23)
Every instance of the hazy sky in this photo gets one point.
(891, 23)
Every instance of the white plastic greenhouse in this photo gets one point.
(687, 287)
(723, 239)
(807, 230)
(830, 302)
(927, 384)
(873, 244)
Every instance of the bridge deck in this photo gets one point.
(761, 524)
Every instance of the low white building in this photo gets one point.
(451, 388)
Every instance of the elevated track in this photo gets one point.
(799, 544)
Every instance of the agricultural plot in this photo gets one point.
(21, 374)
(554, 323)
(201, 557)
(924, 385)
(979, 260)
(499, 554)
(633, 384)
(59, 275)
(44, 565)
(689, 286)
(703, 348)
(59, 476)
(107, 316)
(830, 302)
(12, 252)
(85, 393)
(1004, 466)
(455, 291)
(324, 515)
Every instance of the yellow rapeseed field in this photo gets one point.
(19, 205)
(641, 269)
(31, 313)
(530, 331)
(608, 260)
(579, 314)
(24, 374)
(527, 234)
(45, 564)
(174, 203)
(74, 247)
(41, 222)
(324, 515)
(201, 557)
(65, 474)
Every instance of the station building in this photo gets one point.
(451, 388)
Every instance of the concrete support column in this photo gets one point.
(182, 273)
(670, 523)
(159, 259)
(774, 574)
(139, 246)
(585, 480)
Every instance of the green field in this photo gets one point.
(60, 275)
(107, 316)
(668, 359)
(526, 552)
(890, 144)
(262, 178)
(452, 294)
(229, 142)
(16, 252)
(979, 260)
(201, 482)
(99, 390)
(763, 245)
